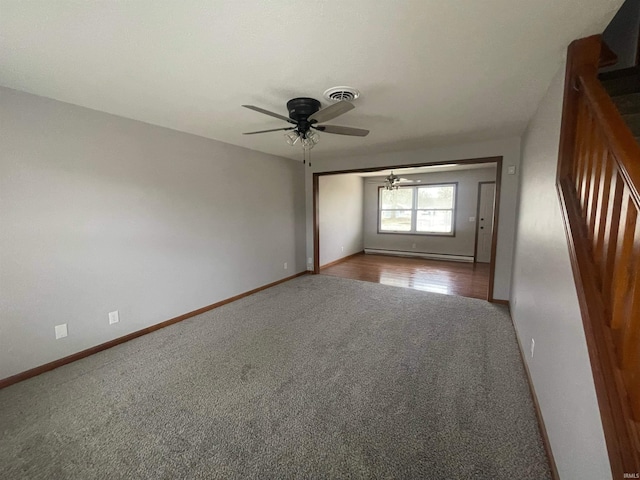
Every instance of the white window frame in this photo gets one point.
(414, 210)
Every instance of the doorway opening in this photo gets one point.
(439, 233)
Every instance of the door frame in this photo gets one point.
(475, 247)
(469, 161)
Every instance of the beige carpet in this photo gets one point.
(319, 377)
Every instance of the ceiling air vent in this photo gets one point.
(337, 94)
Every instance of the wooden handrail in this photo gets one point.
(623, 145)
(598, 181)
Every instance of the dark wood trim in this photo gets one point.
(494, 238)
(340, 260)
(316, 224)
(475, 243)
(5, 382)
(543, 429)
(468, 161)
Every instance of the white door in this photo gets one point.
(485, 221)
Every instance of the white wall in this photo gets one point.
(340, 200)
(508, 148)
(463, 243)
(544, 305)
(100, 213)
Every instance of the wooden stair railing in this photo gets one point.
(598, 181)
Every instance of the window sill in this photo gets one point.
(420, 234)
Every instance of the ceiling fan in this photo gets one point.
(305, 115)
(392, 181)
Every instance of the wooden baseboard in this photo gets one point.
(340, 260)
(5, 382)
(541, 426)
(502, 302)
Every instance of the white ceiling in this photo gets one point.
(430, 71)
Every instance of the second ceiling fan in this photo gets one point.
(392, 182)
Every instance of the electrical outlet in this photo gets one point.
(61, 331)
(309, 260)
(114, 317)
(533, 346)
(285, 265)
(342, 249)
(413, 246)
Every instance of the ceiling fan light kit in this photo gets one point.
(305, 114)
(391, 182)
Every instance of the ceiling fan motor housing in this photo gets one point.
(300, 109)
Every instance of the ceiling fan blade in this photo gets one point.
(271, 130)
(356, 132)
(271, 114)
(331, 112)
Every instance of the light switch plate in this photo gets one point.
(114, 317)
(511, 170)
(61, 331)
(472, 219)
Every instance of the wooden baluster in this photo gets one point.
(583, 192)
(594, 188)
(587, 162)
(610, 237)
(629, 355)
(621, 274)
(578, 158)
(601, 209)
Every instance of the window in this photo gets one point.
(424, 209)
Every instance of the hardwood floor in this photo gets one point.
(451, 278)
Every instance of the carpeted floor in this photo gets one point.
(319, 377)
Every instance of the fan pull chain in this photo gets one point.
(306, 154)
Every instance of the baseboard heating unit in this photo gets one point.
(432, 256)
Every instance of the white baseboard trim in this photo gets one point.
(432, 256)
